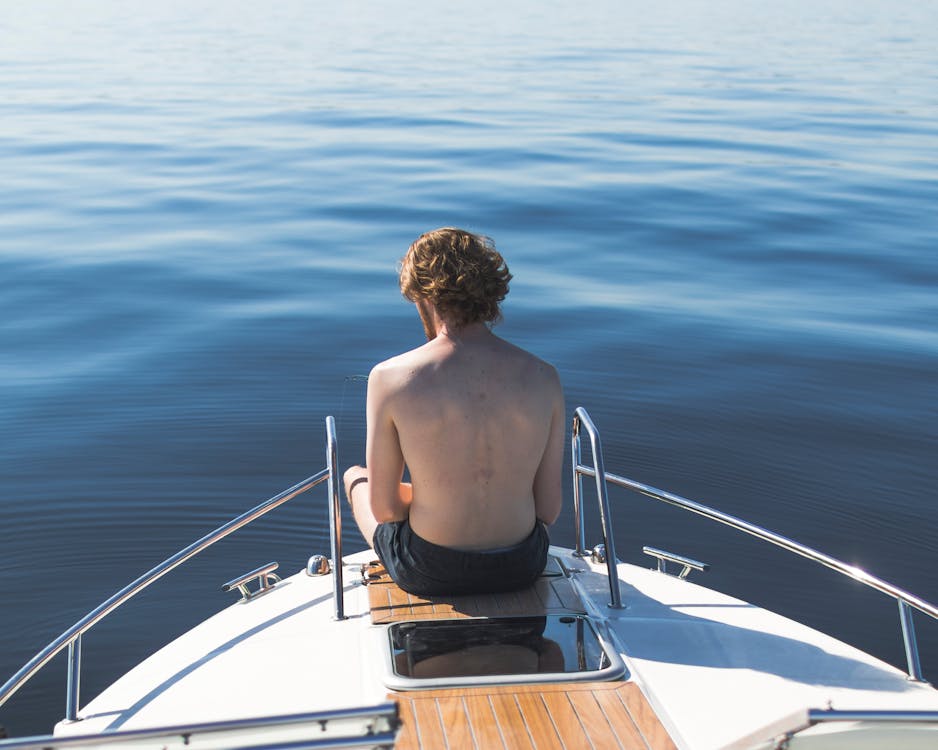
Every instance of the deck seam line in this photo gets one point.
(566, 695)
(498, 724)
(638, 727)
(472, 734)
(524, 720)
(439, 718)
(550, 717)
(612, 729)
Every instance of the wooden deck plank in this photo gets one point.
(410, 738)
(564, 592)
(389, 603)
(511, 725)
(400, 600)
(593, 720)
(597, 715)
(464, 605)
(444, 610)
(538, 598)
(379, 599)
(507, 603)
(428, 728)
(483, 722)
(573, 735)
(648, 723)
(456, 724)
(617, 715)
(538, 721)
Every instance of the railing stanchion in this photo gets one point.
(578, 518)
(73, 686)
(335, 519)
(908, 638)
(605, 516)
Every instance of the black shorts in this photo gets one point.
(426, 569)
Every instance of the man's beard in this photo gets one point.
(428, 328)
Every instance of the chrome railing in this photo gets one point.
(367, 727)
(581, 420)
(335, 519)
(820, 715)
(71, 638)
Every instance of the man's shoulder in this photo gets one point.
(400, 365)
(533, 364)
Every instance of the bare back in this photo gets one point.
(480, 426)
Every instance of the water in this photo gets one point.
(720, 218)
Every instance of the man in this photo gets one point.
(479, 424)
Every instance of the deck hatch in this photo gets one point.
(466, 651)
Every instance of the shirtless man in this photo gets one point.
(478, 422)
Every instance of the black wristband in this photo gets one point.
(354, 484)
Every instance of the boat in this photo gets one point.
(597, 653)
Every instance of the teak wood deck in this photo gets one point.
(548, 595)
(571, 716)
(547, 716)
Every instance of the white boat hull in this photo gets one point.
(718, 671)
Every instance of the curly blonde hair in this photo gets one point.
(460, 273)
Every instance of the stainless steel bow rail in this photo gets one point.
(71, 638)
(367, 727)
(582, 421)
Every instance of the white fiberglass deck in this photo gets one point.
(715, 669)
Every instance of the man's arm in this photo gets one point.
(383, 457)
(548, 489)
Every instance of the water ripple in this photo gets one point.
(720, 222)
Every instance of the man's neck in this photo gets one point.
(468, 333)
(436, 326)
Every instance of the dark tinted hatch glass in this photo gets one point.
(498, 646)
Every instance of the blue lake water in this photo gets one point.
(721, 220)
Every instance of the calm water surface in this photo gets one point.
(720, 218)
